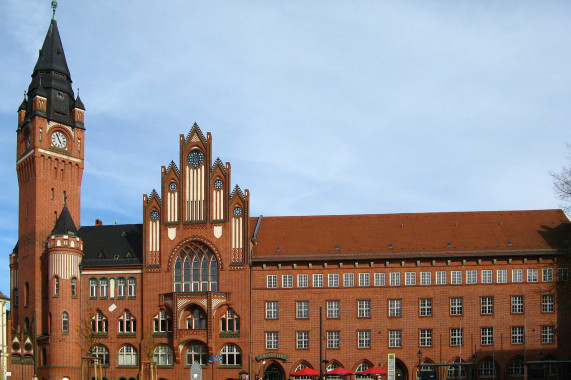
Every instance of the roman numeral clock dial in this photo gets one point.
(59, 140)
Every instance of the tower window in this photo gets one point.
(74, 287)
(56, 286)
(64, 322)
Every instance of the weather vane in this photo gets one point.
(54, 6)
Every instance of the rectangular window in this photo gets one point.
(395, 279)
(272, 341)
(364, 279)
(471, 277)
(517, 275)
(517, 304)
(302, 340)
(486, 276)
(410, 278)
(302, 309)
(456, 277)
(364, 338)
(425, 278)
(333, 280)
(441, 278)
(348, 280)
(426, 338)
(333, 339)
(302, 281)
(547, 274)
(487, 336)
(532, 275)
(364, 308)
(318, 281)
(456, 337)
(562, 274)
(395, 338)
(547, 334)
(287, 281)
(548, 303)
(395, 308)
(518, 335)
(426, 307)
(379, 279)
(456, 306)
(502, 276)
(93, 288)
(332, 309)
(272, 311)
(272, 280)
(131, 287)
(487, 304)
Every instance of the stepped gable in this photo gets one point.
(112, 245)
(406, 235)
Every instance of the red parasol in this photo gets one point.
(305, 372)
(374, 371)
(340, 371)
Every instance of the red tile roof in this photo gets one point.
(405, 235)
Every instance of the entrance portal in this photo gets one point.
(273, 372)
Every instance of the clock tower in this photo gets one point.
(49, 165)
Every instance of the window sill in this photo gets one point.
(126, 335)
(230, 366)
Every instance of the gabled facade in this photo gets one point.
(200, 282)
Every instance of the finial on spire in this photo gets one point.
(65, 199)
(54, 6)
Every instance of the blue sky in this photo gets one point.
(322, 107)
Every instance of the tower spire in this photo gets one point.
(54, 6)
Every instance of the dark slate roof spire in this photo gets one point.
(51, 78)
(64, 224)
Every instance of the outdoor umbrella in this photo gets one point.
(340, 371)
(374, 371)
(305, 372)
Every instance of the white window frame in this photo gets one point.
(502, 276)
(333, 309)
(547, 303)
(302, 340)
(302, 280)
(441, 277)
(547, 274)
(487, 276)
(302, 309)
(348, 280)
(425, 337)
(333, 339)
(333, 280)
(363, 308)
(425, 307)
(517, 275)
(487, 305)
(395, 308)
(395, 338)
(364, 279)
(518, 335)
(425, 278)
(456, 277)
(471, 277)
(456, 306)
(532, 275)
(272, 281)
(487, 336)
(410, 278)
(317, 280)
(456, 337)
(364, 338)
(272, 340)
(394, 279)
(287, 281)
(518, 304)
(272, 310)
(379, 279)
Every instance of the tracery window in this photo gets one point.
(230, 322)
(196, 269)
(162, 322)
(127, 323)
(99, 323)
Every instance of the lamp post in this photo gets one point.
(261, 369)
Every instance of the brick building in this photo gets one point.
(201, 279)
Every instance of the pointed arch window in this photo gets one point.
(127, 323)
(74, 287)
(230, 322)
(196, 268)
(363, 367)
(162, 322)
(99, 323)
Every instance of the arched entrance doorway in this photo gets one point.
(274, 372)
(401, 372)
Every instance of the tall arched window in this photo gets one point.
(196, 269)
(102, 353)
(127, 323)
(163, 355)
(127, 355)
(74, 287)
(121, 287)
(231, 355)
(56, 286)
(64, 323)
(99, 323)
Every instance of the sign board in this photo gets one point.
(195, 371)
(391, 367)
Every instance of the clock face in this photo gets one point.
(59, 140)
(238, 211)
(154, 215)
(172, 186)
(195, 158)
(218, 184)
